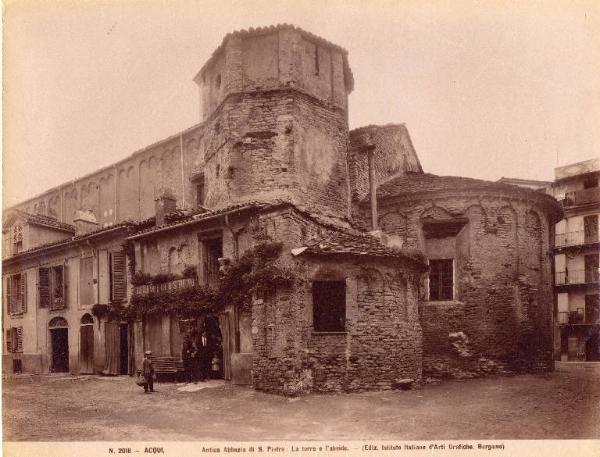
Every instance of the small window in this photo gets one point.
(200, 191)
(212, 251)
(590, 183)
(218, 81)
(329, 306)
(441, 283)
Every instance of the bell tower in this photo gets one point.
(274, 101)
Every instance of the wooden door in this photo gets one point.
(86, 349)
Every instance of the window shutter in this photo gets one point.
(14, 294)
(9, 346)
(65, 285)
(43, 287)
(23, 304)
(8, 293)
(57, 282)
(118, 276)
(18, 293)
(18, 339)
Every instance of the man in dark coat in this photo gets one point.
(203, 355)
(148, 372)
(188, 354)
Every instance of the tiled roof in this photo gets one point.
(273, 28)
(66, 241)
(422, 183)
(46, 221)
(202, 214)
(342, 243)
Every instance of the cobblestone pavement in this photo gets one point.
(563, 404)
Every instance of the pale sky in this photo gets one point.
(486, 89)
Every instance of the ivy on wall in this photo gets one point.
(255, 274)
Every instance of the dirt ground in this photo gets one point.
(562, 405)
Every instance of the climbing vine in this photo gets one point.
(255, 274)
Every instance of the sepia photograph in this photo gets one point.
(325, 228)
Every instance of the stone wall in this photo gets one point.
(382, 342)
(394, 155)
(270, 59)
(501, 314)
(127, 189)
(277, 145)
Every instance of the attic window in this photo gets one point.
(218, 81)
(316, 60)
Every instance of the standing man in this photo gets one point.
(188, 354)
(203, 355)
(148, 371)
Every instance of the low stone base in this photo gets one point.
(241, 368)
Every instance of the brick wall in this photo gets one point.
(394, 154)
(382, 342)
(503, 297)
(278, 144)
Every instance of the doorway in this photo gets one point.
(59, 344)
(86, 345)
(123, 349)
(592, 348)
(214, 347)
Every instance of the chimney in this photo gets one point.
(164, 203)
(84, 221)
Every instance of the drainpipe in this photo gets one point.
(370, 150)
(182, 172)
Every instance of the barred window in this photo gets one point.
(441, 279)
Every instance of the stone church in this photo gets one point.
(398, 275)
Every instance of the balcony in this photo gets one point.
(577, 317)
(182, 283)
(582, 197)
(571, 277)
(576, 238)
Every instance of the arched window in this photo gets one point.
(173, 260)
(87, 319)
(58, 322)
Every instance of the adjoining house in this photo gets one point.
(50, 289)
(316, 258)
(576, 263)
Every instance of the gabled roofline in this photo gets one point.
(65, 242)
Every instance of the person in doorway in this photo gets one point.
(188, 354)
(203, 355)
(148, 372)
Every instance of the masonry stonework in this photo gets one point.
(502, 305)
(273, 159)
